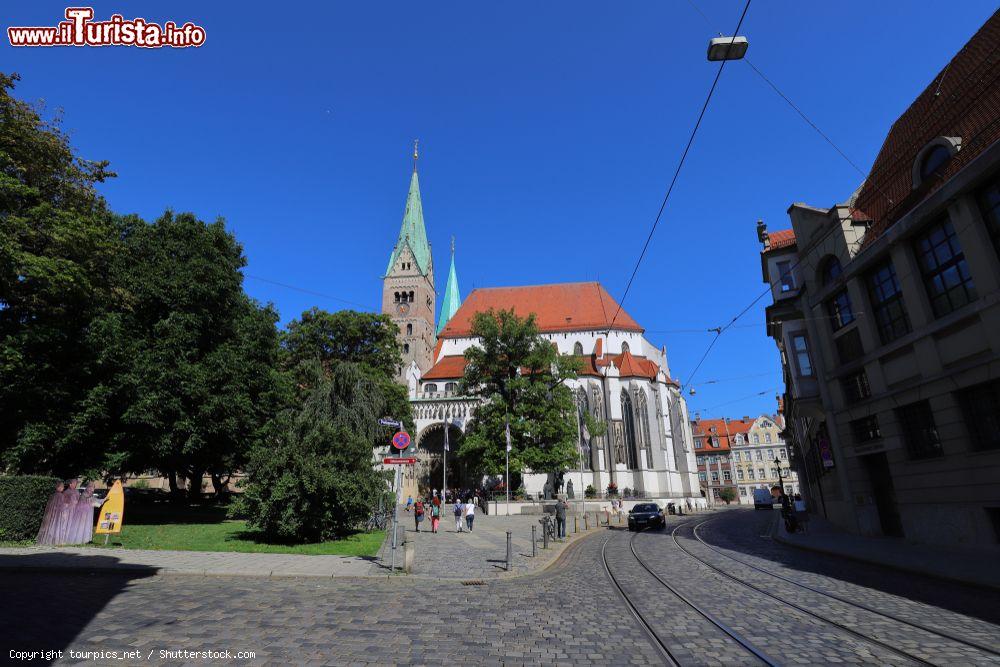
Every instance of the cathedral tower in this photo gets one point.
(408, 285)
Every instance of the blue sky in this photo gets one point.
(548, 134)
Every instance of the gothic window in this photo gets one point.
(578, 350)
(625, 348)
(409, 329)
(583, 408)
(406, 348)
(642, 416)
(628, 420)
(395, 297)
(411, 297)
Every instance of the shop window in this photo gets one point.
(981, 409)
(919, 430)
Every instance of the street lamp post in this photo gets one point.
(781, 482)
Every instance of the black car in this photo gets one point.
(645, 515)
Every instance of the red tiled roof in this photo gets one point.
(437, 350)
(559, 307)
(703, 429)
(963, 100)
(781, 239)
(634, 366)
(446, 368)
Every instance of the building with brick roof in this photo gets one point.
(886, 311)
(625, 380)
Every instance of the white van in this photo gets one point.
(762, 499)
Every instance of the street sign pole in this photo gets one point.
(444, 460)
(395, 517)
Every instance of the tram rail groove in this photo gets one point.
(797, 607)
(646, 625)
(919, 626)
(707, 615)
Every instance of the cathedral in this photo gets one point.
(625, 380)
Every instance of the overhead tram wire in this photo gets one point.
(304, 291)
(677, 172)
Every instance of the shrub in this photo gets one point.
(314, 479)
(140, 484)
(728, 494)
(627, 492)
(23, 499)
(612, 489)
(590, 491)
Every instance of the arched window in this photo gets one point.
(411, 297)
(628, 419)
(578, 349)
(934, 157)
(409, 329)
(430, 386)
(625, 348)
(395, 297)
(406, 348)
(583, 408)
(642, 417)
(756, 439)
(932, 161)
(451, 386)
(829, 270)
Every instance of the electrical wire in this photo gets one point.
(677, 171)
(304, 291)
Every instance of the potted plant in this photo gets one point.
(612, 489)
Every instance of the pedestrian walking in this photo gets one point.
(418, 513)
(459, 513)
(470, 513)
(435, 515)
(561, 506)
(409, 503)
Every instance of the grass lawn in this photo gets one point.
(205, 528)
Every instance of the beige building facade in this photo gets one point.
(758, 457)
(886, 310)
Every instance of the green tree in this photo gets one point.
(191, 362)
(728, 494)
(57, 241)
(315, 478)
(520, 378)
(365, 339)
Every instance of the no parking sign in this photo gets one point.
(401, 440)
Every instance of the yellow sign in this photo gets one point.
(109, 520)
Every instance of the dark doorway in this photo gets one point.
(431, 469)
(884, 493)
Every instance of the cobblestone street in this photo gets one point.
(571, 613)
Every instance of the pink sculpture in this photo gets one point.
(47, 533)
(69, 515)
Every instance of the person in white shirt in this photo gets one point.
(459, 513)
(470, 513)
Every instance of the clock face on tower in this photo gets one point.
(403, 308)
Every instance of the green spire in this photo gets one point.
(452, 297)
(412, 231)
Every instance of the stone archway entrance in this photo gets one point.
(429, 473)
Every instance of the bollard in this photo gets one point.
(586, 523)
(534, 543)
(597, 520)
(607, 515)
(545, 537)
(576, 524)
(619, 518)
(509, 555)
(408, 556)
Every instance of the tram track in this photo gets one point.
(661, 644)
(833, 596)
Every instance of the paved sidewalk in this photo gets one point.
(482, 553)
(184, 562)
(977, 568)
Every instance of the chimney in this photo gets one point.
(697, 416)
(746, 419)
